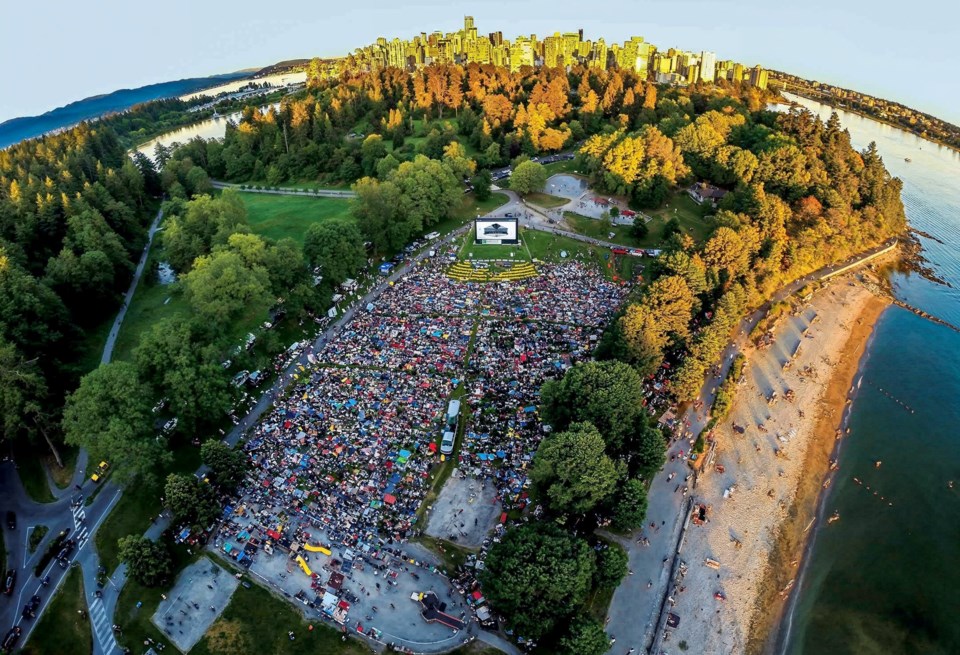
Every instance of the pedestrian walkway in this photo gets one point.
(102, 627)
(80, 532)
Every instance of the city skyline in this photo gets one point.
(211, 43)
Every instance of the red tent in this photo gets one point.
(389, 499)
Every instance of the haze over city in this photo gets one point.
(121, 45)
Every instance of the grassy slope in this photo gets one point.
(545, 200)
(61, 628)
(546, 247)
(136, 508)
(279, 217)
(255, 621)
(687, 212)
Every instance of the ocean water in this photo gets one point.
(18, 129)
(883, 579)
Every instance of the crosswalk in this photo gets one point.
(80, 531)
(102, 627)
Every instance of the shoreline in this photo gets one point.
(763, 486)
(807, 514)
(779, 633)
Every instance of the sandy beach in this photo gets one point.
(762, 485)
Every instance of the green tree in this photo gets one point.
(227, 464)
(605, 394)
(630, 502)
(481, 185)
(639, 229)
(110, 415)
(528, 177)
(382, 219)
(611, 565)
(205, 223)
(337, 248)
(586, 637)
(181, 364)
(428, 192)
(191, 500)
(537, 575)
(572, 470)
(221, 285)
(147, 561)
(371, 152)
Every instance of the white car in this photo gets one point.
(446, 444)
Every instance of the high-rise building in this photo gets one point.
(521, 54)
(553, 51)
(496, 38)
(467, 23)
(708, 66)
(599, 54)
(758, 77)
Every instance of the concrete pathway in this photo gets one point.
(635, 609)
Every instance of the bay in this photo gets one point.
(26, 127)
(882, 579)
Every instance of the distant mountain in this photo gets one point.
(18, 129)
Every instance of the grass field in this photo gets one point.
(547, 247)
(62, 475)
(255, 621)
(545, 200)
(61, 628)
(592, 227)
(567, 166)
(279, 217)
(34, 478)
(687, 212)
(136, 508)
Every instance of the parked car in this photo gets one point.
(11, 639)
(446, 444)
(9, 581)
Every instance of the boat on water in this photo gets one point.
(907, 159)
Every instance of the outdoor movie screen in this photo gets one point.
(496, 230)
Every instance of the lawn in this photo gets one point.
(34, 477)
(687, 212)
(592, 227)
(470, 250)
(279, 217)
(61, 626)
(256, 621)
(137, 507)
(62, 475)
(547, 247)
(566, 166)
(545, 200)
(36, 536)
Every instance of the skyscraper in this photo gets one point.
(758, 77)
(467, 23)
(708, 66)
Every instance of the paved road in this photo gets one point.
(536, 219)
(319, 193)
(128, 297)
(635, 608)
(81, 521)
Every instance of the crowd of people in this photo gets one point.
(353, 444)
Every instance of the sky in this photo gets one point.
(58, 51)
